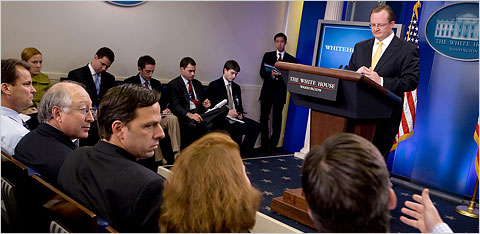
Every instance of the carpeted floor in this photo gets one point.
(273, 174)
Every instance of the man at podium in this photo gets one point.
(390, 62)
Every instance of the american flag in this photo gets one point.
(475, 136)
(405, 129)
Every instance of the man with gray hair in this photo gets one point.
(65, 113)
(17, 94)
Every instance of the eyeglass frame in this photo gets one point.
(377, 25)
(85, 110)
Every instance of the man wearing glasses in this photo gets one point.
(391, 63)
(65, 114)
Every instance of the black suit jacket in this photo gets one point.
(107, 180)
(399, 67)
(217, 91)
(179, 100)
(276, 90)
(156, 84)
(83, 75)
(399, 64)
(44, 150)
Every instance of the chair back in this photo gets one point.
(57, 206)
(14, 180)
(110, 229)
(164, 172)
(266, 224)
(57, 228)
(40, 207)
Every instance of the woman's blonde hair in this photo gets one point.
(29, 52)
(209, 191)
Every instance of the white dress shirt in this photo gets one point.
(385, 43)
(12, 129)
(149, 83)
(192, 105)
(226, 82)
(92, 71)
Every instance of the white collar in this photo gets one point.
(92, 71)
(11, 113)
(142, 81)
(385, 41)
(184, 80)
(226, 81)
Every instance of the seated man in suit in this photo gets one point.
(346, 185)
(106, 178)
(187, 101)
(225, 88)
(97, 82)
(17, 94)
(65, 113)
(146, 67)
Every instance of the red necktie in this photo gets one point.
(146, 84)
(192, 94)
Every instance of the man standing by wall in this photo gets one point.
(273, 93)
(390, 62)
(17, 94)
(97, 82)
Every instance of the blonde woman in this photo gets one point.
(41, 82)
(209, 190)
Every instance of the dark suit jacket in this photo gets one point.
(156, 85)
(107, 180)
(44, 150)
(276, 90)
(179, 100)
(399, 64)
(83, 75)
(217, 91)
(399, 67)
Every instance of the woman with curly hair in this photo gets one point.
(209, 190)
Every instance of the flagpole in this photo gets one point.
(470, 210)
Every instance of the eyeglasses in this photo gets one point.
(85, 110)
(377, 25)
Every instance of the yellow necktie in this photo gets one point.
(377, 55)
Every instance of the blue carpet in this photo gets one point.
(273, 174)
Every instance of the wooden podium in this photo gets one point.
(341, 101)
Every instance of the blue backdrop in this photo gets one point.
(441, 152)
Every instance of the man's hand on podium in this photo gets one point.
(370, 74)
